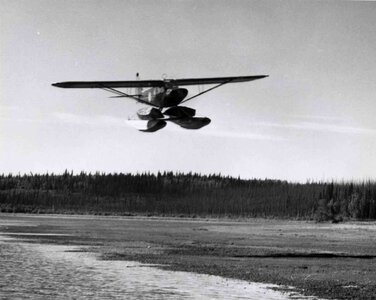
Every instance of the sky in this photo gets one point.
(313, 118)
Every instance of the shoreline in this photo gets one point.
(283, 252)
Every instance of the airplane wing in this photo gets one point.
(218, 80)
(110, 84)
(154, 83)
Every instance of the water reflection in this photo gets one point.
(39, 271)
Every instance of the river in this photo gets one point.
(30, 270)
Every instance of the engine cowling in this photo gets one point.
(174, 97)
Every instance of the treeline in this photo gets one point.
(177, 194)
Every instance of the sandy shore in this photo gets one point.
(336, 261)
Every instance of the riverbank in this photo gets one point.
(335, 261)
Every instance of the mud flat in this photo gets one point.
(335, 261)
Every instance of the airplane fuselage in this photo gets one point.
(164, 97)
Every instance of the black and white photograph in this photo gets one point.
(187, 149)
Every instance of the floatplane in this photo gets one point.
(162, 97)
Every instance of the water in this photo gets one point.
(40, 271)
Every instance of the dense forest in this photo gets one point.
(190, 195)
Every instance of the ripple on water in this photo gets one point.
(53, 271)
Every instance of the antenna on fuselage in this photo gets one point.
(138, 90)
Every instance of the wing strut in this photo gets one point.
(208, 90)
(122, 94)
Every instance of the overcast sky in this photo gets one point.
(313, 118)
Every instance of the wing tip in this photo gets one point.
(58, 84)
